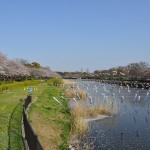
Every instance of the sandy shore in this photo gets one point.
(97, 118)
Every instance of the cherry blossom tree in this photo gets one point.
(19, 69)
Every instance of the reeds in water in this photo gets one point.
(81, 112)
(78, 94)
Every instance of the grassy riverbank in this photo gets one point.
(11, 97)
(50, 120)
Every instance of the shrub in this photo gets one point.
(56, 81)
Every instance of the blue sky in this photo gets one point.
(68, 35)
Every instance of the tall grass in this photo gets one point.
(55, 81)
(78, 94)
(70, 83)
(80, 113)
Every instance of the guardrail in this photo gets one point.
(30, 139)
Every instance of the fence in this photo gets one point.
(31, 139)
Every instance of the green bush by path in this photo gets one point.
(55, 81)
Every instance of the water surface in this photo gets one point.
(129, 126)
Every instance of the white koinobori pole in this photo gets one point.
(135, 97)
(57, 100)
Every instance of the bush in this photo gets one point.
(56, 81)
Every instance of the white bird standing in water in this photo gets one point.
(122, 97)
(106, 90)
(139, 97)
(135, 97)
(95, 88)
(128, 88)
(147, 93)
(90, 100)
(103, 95)
(146, 97)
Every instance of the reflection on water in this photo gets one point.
(128, 128)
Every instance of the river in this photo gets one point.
(128, 128)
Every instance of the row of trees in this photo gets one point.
(132, 71)
(20, 69)
(139, 70)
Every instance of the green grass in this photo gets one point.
(52, 116)
(14, 129)
(49, 119)
(9, 99)
(13, 85)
